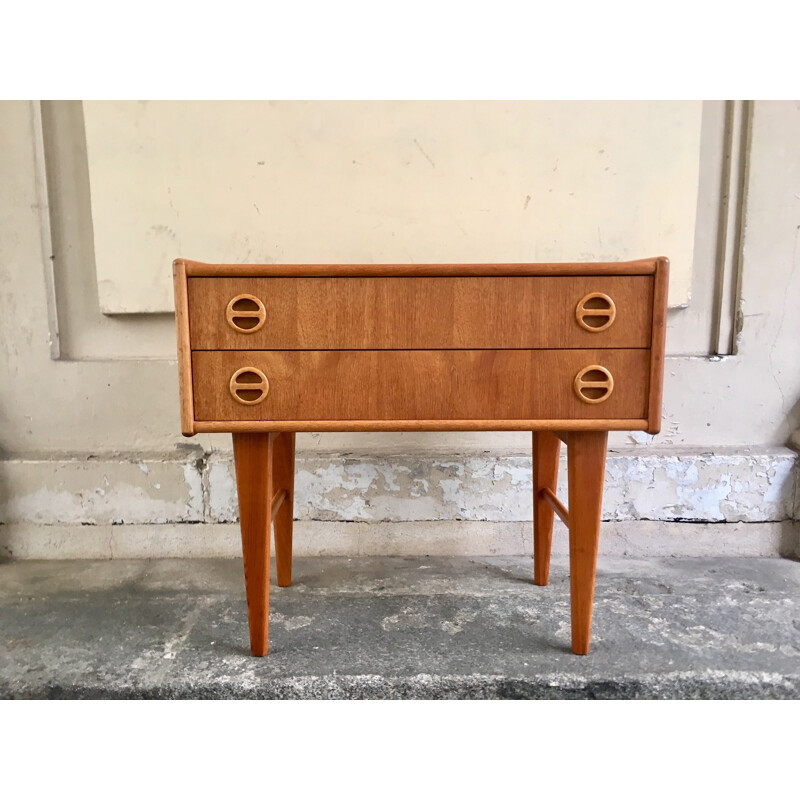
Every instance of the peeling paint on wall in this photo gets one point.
(94, 492)
(703, 487)
(707, 487)
(691, 486)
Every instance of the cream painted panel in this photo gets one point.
(385, 181)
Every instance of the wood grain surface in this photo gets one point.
(657, 345)
(645, 266)
(184, 347)
(586, 470)
(420, 384)
(420, 313)
(546, 450)
(252, 453)
(429, 425)
(283, 479)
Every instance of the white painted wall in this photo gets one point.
(115, 386)
(114, 390)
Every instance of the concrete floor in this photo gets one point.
(400, 628)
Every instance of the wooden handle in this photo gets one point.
(246, 313)
(593, 384)
(248, 386)
(595, 312)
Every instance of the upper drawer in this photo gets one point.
(408, 313)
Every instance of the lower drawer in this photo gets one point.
(242, 385)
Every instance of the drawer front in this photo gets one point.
(420, 313)
(420, 385)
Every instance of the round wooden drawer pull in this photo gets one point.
(249, 386)
(596, 312)
(593, 384)
(246, 313)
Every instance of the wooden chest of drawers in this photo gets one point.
(567, 351)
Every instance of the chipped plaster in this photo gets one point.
(690, 486)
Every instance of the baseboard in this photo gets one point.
(636, 539)
(657, 502)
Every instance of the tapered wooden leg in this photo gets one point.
(546, 449)
(252, 453)
(586, 466)
(283, 480)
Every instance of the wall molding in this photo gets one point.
(43, 202)
(732, 220)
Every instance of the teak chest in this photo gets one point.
(567, 351)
